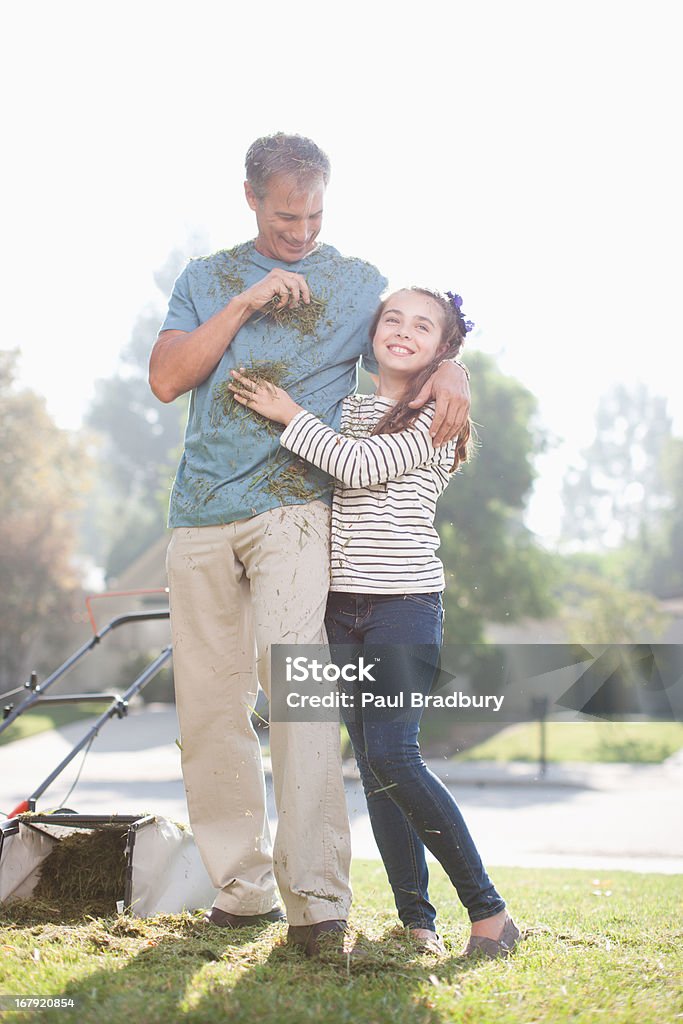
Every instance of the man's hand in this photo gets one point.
(450, 389)
(290, 288)
(182, 360)
(264, 398)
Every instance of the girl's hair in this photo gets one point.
(453, 331)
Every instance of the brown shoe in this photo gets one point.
(479, 945)
(314, 939)
(223, 919)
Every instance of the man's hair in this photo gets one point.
(290, 155)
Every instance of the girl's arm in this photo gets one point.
(357, 462)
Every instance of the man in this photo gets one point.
(249, 559)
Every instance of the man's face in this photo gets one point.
(289, 217)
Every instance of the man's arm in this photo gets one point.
(450, 390)
(181, 360)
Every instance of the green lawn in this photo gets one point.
(38, 720)
(598, 949)
(644, 742)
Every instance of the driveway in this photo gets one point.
(594, 817)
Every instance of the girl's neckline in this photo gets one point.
(376, 398)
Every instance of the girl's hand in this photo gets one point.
(264, 398)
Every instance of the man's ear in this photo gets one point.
(251, 195)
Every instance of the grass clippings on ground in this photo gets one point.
(604, 948)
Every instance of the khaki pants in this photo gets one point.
(263, 579)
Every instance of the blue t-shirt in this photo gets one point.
(233, 466)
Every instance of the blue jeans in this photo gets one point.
(409, 806)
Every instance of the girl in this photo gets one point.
(386, 589)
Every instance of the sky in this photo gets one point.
(525, 155)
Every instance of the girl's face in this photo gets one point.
(408, 335)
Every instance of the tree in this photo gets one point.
(494, 567)
(138, 440)
(596, 610)
(618, 487)
(41, 476)
(655, 561)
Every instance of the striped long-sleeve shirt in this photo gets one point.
(387, 486)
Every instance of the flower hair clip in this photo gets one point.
(456, 302)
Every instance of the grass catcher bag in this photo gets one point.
(101, 864)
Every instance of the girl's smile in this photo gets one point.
(400, 350)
